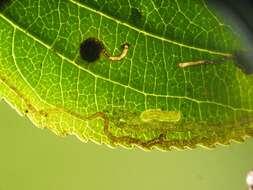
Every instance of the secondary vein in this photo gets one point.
(115, 82)
(148, 33)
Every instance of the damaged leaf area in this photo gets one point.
(159, 74)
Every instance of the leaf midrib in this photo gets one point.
(14, 25)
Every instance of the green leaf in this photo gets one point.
(144, 99)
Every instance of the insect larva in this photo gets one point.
(191, 63)
(159, 115)
(204, 61)
(92, 48)
(119, 57)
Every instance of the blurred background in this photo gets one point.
(238, 14)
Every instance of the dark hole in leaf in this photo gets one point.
(244, 60)
(91, 49)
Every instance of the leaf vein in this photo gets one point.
(115, 82)
(145, 33)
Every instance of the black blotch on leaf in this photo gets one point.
(135, 16)
(244, 60)
(90, 49)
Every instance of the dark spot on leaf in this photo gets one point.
(91, 49)
(135, 16)
(4, 3)
(244, 60)
(26, 111)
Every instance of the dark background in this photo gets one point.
(239, 14)
(242, 10)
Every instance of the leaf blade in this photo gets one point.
(69, 92)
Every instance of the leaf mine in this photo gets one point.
(159, 115)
